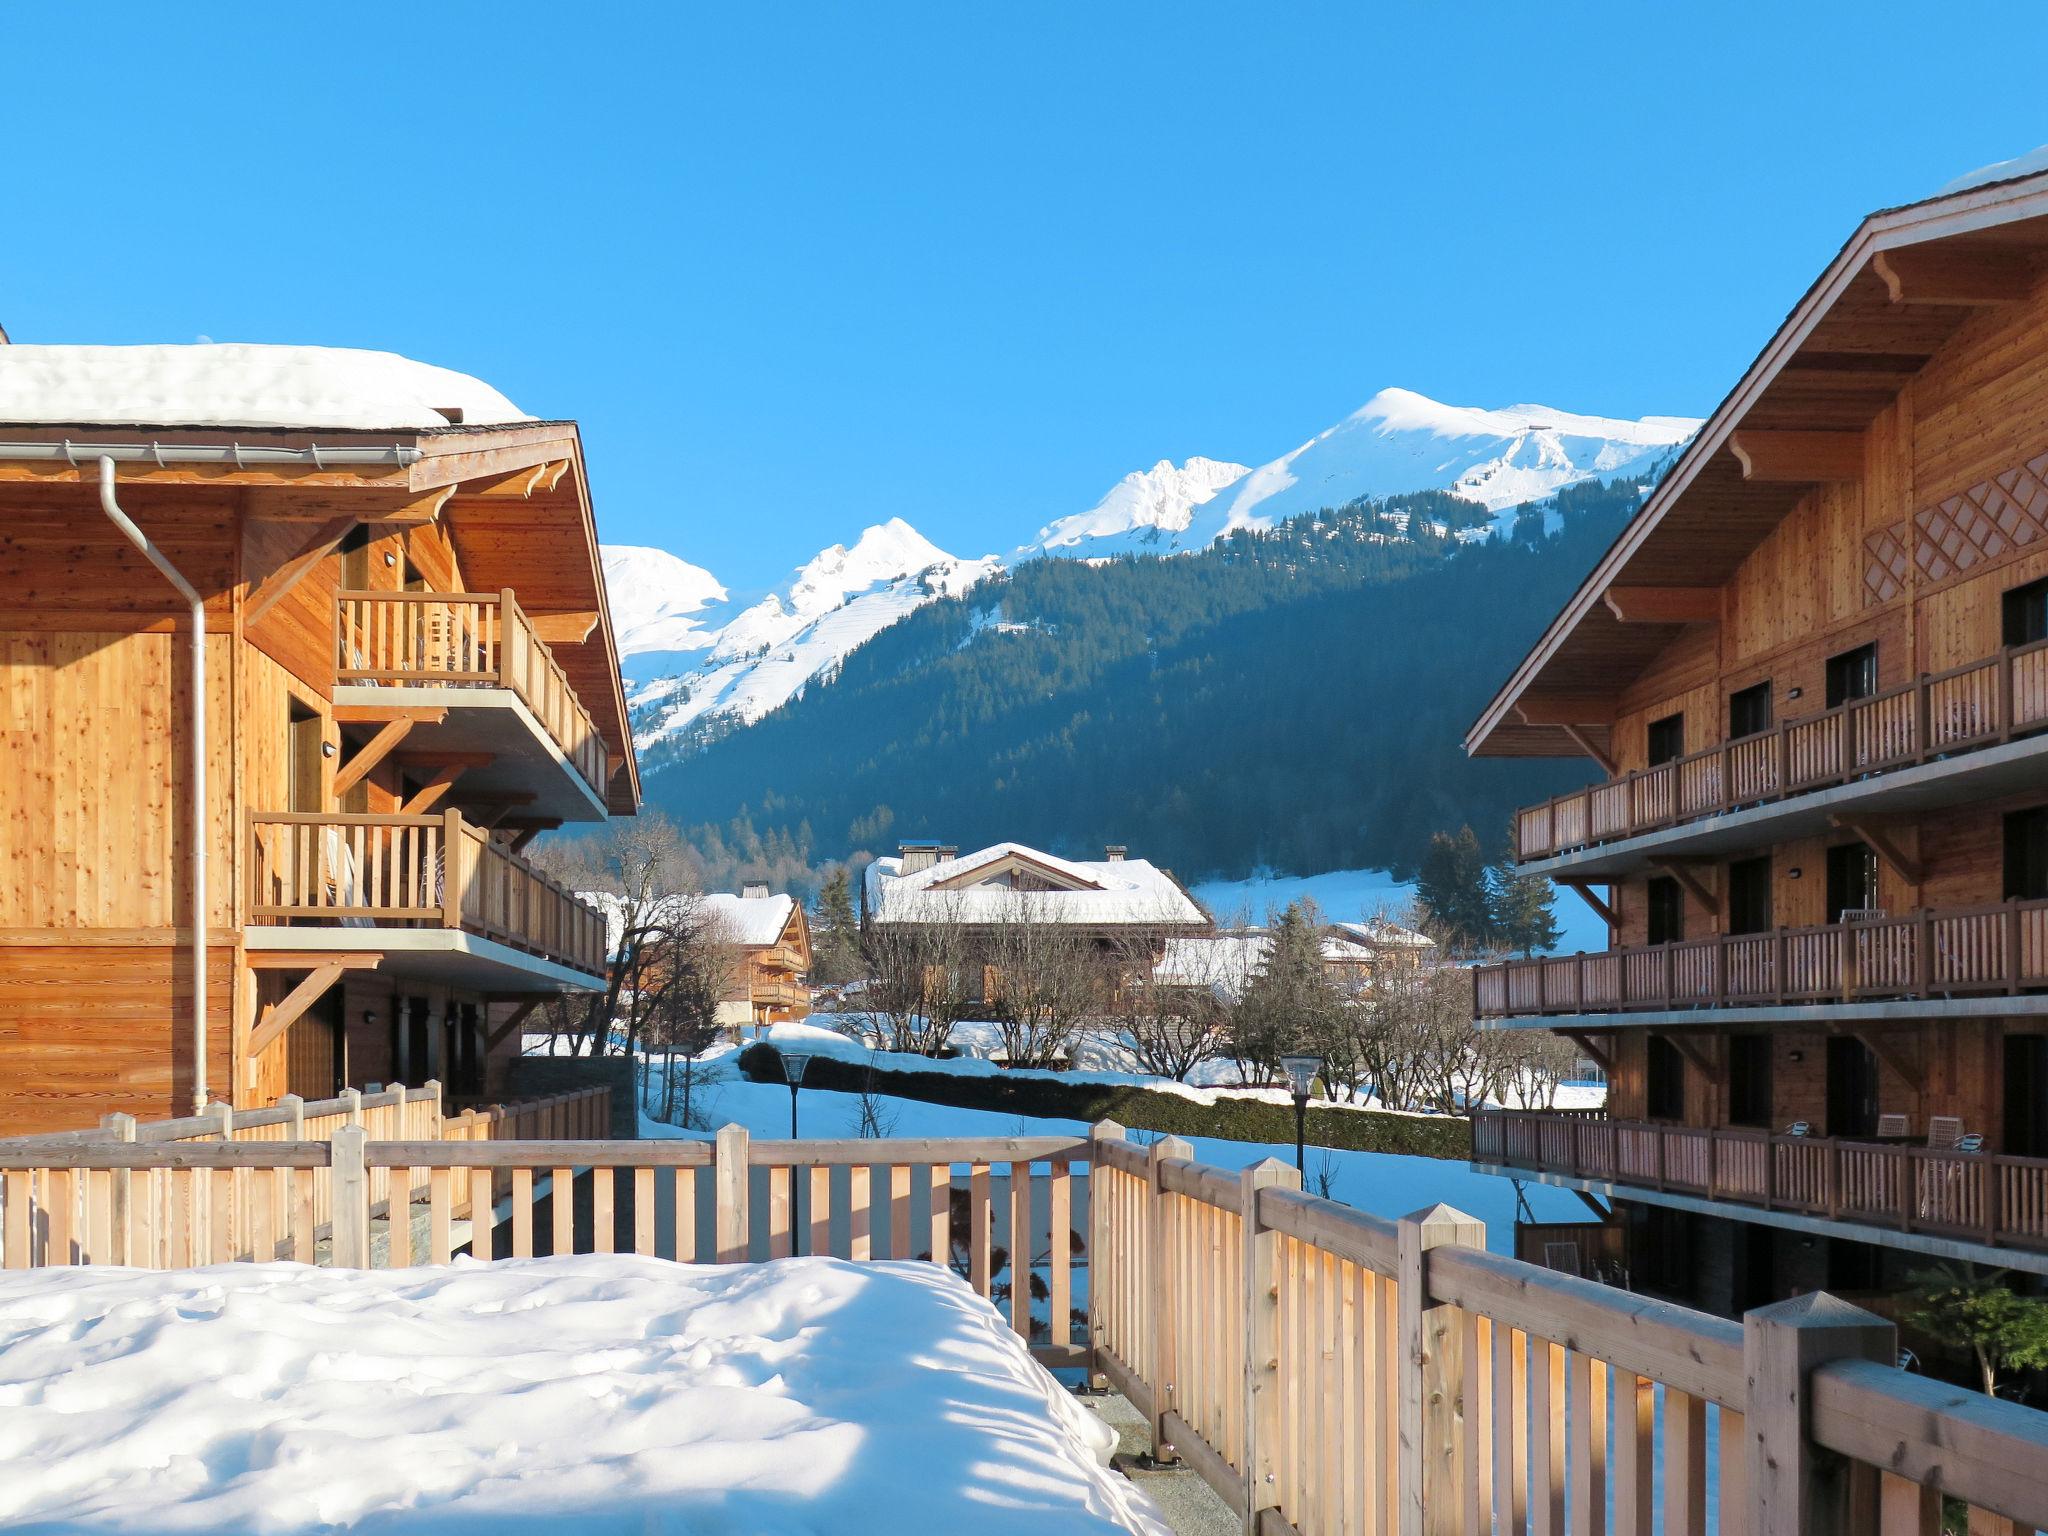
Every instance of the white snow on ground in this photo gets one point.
(1346, 895)
(238, 384)
(581, 1396)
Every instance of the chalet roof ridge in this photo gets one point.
(1943, 215)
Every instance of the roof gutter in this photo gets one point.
(241, 455)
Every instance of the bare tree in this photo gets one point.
(689, 964)
(917, 985)
(1170, 998)
(1047, 976)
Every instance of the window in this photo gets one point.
(1749, 1080)
(1749, 710)
(1852, 879)
(2026, 1095)
(2026, 854)
(1852, 675)
(2026, 613)
(1852, 1088)
(1664, 1086)
(1749, 895)
(1665, 907)
(1667, 739)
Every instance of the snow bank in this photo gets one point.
(578, 1395)
(241, 385)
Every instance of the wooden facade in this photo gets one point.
(367, 903)
(1813, 675)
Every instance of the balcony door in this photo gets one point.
(2026, 1096)
(1852, 1088)
(2026, 854)
(1666, 739)
(1852, 675)
(304, 738)
(1749, 895)
(1852, 880)
(1749, 710)
(1663, 1080)
(1664, 908)
(1749, 1080)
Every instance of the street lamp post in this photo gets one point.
(793, 1065)
(1301, 1077)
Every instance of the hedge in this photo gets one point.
(1140, 1109)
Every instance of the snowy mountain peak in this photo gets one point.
(882, 553)
(1160, 498)
(657, 598)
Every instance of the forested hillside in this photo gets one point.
(1293, 698)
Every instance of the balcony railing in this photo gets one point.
(1961, 710)
(1922, 955)
(1974, 1196)
(414, 871)
(473, 639)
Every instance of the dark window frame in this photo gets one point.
(1751, 710)
(2023, 613)
(1852, 674)
(1664, 740)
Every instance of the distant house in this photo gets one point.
(771, 983)
(1224, 964)
(1116, 894)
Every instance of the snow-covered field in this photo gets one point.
(581, 1396)
(1347, 895)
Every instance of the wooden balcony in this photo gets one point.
(1927, 954)
(1975, 1197)
(1939, 716)
(414, 872)
(465, 640)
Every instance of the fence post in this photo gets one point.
(1795, 1487)
(294, 1106)
(731, 1190)
(1430, 1409)
(223, 1114)
(352, 1102)
(1165, 1369)
(121, 1192)
(351, 1198)
(1102, 1130)
(1262, 1450)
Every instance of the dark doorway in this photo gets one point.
(1664, 1080)
(1664, 907)
(1749, 710)
(306, 736)
(316, 1050)
(1749, 895)
(1852, 879)
(1755, 1265)
(1854, 1266)
(2026, 854)
(1749, 1080)
(1852, 1088)
(2026, 613)
(1667, 739)
(410, 1063)
(2026, 1096)
(1852, 675)
(355, 559)
(1662, 1254)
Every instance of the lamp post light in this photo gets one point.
(1301, 1077)
(793, 1065)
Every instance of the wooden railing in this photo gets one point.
(1978, 1197)
(414, 871)
(1925, 954)
(1941, 715)
(479, 639)
(1330, 1372)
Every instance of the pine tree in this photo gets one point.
(835, 932)
(1292, 1004)
(1452, 886)
(1523, 918)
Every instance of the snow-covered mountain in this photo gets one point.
(717, 668)
(765, 654)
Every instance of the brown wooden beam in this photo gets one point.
(281, 1016)
(1591, 748)
(1584, 891)
(1944, 274)
(1878, 835)
(1885, 1047)
(365, 504)
(430, 794)
(370, 754)
(1696, 887)
(1664, 605)
(1600, 1055)
(563, 628)
(1565, 709)
(319, 544)
(302, 959)
(383, 714)
(1688, 1046)
(1798, 458)
(513, 1020)
(528, 834)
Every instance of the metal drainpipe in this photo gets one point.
(157, 558)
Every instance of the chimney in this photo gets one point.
(754, 890)
(1114, 853)
(945, 852)
(917, 857)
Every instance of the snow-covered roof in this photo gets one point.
(241, 385)
(1108, 892)
(1378, 933)
(1226, 962)
(750, 919)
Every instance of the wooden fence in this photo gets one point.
(1331, 1373)
(1978, 705)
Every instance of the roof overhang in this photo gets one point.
(1859, 336)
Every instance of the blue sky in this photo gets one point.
(799, 268)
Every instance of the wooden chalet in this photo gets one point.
(1813, 674)
(406, 672)
(771, 982)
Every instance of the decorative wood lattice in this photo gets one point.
(2008, 511)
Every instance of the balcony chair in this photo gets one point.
(1943, 1131)
(1893, 1127)
(1563, 1257)
(1799, 1128)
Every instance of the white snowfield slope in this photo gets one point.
(241, 385)
(597, 1396)
(764, 657)
(656, 600)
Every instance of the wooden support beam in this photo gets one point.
(1688, 1046)
(430, 794)
(1565, 709)
(1592, 749)
(1584, 891)
(1664, 605)
(1878, 834)
(513, 1020)
(1797, 458)
(353, 478)
(563, 628)
(528, 833)
(1905, 1060)
(1695, 887)
(1598, 1054)
(318, 546)
(382, 714)
(364, 504)
(1948, 275)
(280, 1016)
(303, 959)
(370, 754)
(1593, 1205)
(518, 485)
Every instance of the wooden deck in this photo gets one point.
(1925, 955)
(1943, 715)
(415, 871)
(1975, 1197)
(465, 639)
